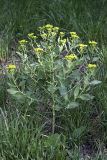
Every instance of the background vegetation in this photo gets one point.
(22, 136)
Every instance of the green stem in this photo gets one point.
(53, 101)
(53, 119)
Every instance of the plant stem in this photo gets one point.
(53, 119)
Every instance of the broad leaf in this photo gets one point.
(76, 92)
(72, 105)
(95, 82)
(86, 97)
(63, 92)
(16, 94)
(12, 91)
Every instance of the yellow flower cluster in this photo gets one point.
(32, 36)
(22, 42)
(71, 57)
(53, 34)
(49, 27)
(91, 66)
(11, 66)
(74, 35)
(62, 42)
(93, 43)
(61, 34)
(38, 50)
(82, 46)
(55, 29)
(44, 35)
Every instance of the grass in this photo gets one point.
(23, 138)
(24, 17)
(26, 136)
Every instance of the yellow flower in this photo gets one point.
(93, 43)
(71, 57)
(41, 28)
(38, 50)
(32, 36)
(11, 66)
(62, 42)
(74, 35)
(23, 42)
(53, 34)
(91, 66)
(82, 46)
(55, 29)
(44, 35)
(49, 27)
(61, 34)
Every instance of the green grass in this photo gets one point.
(82, 16)
(22, 137)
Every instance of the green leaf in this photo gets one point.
(95, 59)
(19, 96)
(78, 132)
(16, 94)
(76, 75)
(76, 92)
(72, 105)
(95, 82)
(63, 90)
(52, 140)
(12, 91)
(11, 85)
(58, 108)
(86, 97)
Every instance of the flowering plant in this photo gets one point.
(56, 70)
